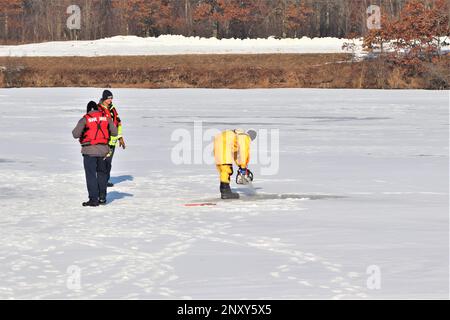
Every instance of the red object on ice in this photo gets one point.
(200, 204)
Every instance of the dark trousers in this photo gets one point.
(96, 176)
(109, 162)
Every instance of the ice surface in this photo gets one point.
(374, 163)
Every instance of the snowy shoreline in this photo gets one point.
(175, 45)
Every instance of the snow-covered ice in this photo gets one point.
(376, 163)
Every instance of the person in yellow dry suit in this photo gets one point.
(233, 146)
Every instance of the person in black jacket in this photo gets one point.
(106, 104)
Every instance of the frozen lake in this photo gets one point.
(359, 183)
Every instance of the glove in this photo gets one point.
(109, 154)
(122, 143)
(243, 171)
(244, 176)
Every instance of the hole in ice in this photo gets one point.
(266, 196)
(6, 161)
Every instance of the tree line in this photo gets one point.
(416, 37)
(23, 21)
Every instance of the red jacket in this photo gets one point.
(96, 130)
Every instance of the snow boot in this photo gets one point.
(90, 203)
(110, 185)
(226, 192)
(102, 200)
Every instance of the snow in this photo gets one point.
(375, 163)
(178, 45)
(174, 45)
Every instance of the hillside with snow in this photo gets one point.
(174, 45)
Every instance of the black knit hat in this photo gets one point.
(107, 95)
(253, 134)
(91, 106)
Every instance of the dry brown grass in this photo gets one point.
(203, 71)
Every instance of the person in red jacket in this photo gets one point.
(94, 131)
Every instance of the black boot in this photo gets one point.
(226, 192)
(102, 200)
(110, 185)
(90, 203)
